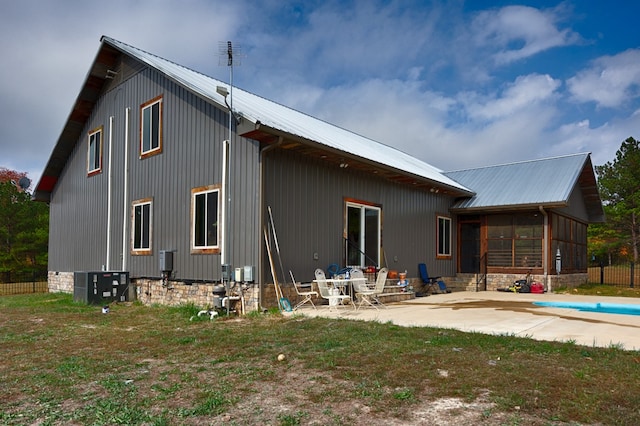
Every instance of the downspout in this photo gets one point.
(125, 189)
(263, 151)
(545, 247)
(223, 210)
(109, 197)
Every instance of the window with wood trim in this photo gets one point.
(205, 219)
(151, 127)
(141, 226)
(444, 236)
(94, 151)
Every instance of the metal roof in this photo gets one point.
(263, 112)
(546, 182)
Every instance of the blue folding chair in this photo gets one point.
(431, 282)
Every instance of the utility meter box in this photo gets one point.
(102, 287)
(166, 260)
(227, 271)
(238, 274)
(249, 274)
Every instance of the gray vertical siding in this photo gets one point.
(576, 208)
(193, 131)
(307, 200)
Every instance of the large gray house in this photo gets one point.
(146, 168)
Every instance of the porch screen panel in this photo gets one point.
(515, 241)
(570, 236)
(528, 232)
(500, 240)
(499, 252)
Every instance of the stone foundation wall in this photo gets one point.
(60, 282)
(152, 291)
(568, 281)
(495, 281)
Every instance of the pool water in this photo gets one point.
(605, 308)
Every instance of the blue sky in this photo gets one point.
(456, 84)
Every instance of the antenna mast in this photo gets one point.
(227, 51)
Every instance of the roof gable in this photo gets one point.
(547, 182)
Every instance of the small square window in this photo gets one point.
(94, 152)
(151, 127)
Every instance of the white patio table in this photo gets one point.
(344, 285)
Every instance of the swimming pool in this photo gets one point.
(605, 308)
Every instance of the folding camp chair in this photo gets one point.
(429, 282)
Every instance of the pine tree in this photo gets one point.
(619, 185)
(24, 228)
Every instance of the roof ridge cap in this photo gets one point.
(520, 162)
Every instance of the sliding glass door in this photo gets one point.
(363, 235)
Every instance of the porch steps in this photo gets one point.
(392, 297)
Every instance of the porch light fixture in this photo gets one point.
(222, 91)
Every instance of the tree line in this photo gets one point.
(24, 227)
(617, 240)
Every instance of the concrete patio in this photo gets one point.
(494, 312)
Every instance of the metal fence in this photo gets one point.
(23, 283)
(626, 275)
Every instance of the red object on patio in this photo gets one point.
(537, 288)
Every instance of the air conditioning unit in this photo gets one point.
(100, 288)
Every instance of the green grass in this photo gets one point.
(592, 289)
(67, 363)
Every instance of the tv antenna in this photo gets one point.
(229, 53)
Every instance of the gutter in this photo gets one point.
(545, 247)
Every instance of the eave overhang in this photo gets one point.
(340, 159)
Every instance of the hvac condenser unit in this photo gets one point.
(100, 288)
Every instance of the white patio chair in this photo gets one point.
(364, 293)
(381, 280)
(334, 299)
(303, 291)
(355, 274)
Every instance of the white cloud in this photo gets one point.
(427, 124)
(611, 81)
(422, 78)
(602, 141)
(518, 32)
(524, 93)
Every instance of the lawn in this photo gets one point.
(64, 363)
